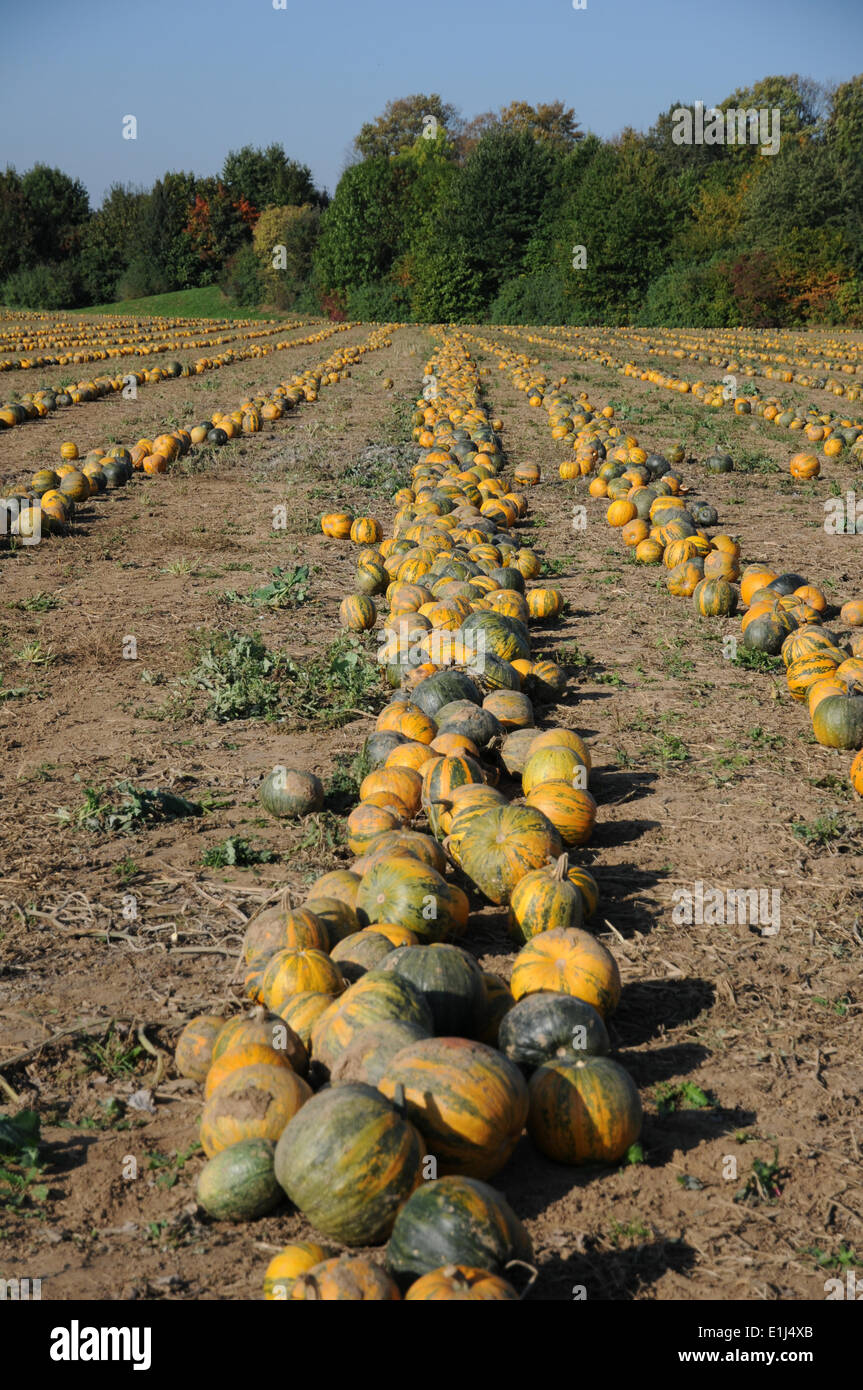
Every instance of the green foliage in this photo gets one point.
(240, 676)
(235, 852)
(287, 589)
(137, 807)
(537, 298)
(21, 1162)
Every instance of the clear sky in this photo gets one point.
(206, 76)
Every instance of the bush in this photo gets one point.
(378, 302)
(140, 279)
(690, 296)
(531, 299)
(43, 287)
(241, 279)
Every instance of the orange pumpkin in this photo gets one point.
(568, 961)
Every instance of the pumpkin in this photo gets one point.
(404, 783)
(544, 899)
(349, 1163)
(685, 578)
(803, 673)
(851, 613)
(266, 1031)
(568, 961)
(754, 577)
(242, 1055)
(804, 466)
(450, 981)
(301, 1011)
(194, 1051)
(468, 1101)
(357, 613)
(285, 1268)
(554, 762)
(471, 721)
(363, 950)
(239, 1184)
(571, 811)
(850, 670)
(587, 886)
(714, 598)
(287, 792)
(583, 1110)
(373, 1049)
(276, 929)
(397, 936)
(367, 822)
(455, 1220)
(253, 1102)
(515, 749)
(767, 632)
(435, 691)
(336, 915)
(566, 738)
(856, 774)
(545, 604)
(412, 894)
(547, 1026)
(838, 720)
(511, 709)
(347, 1278)
(411, 844)
(291, 972)
(461, 1283)
(365, 530)
(378, 996)
(503, 844)
(408, 719)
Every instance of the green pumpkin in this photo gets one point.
(381, 743)
(450, 981)
(373, 1049)
(768, 631)
(442, 689)
(838, 720)
(361, 951)
(719, 463)
(412, 894)
(379, 996)
(239, 1184)
(583, 1110)
(287, 792)
(469, 720)
(455, 1220)
(545, 1026)
(350, 1164)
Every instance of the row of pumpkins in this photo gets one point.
(835, 432)
(53, 494)
(771, 365)
(35, 405)
(784, 611)
(84, 342)
(385, 1079)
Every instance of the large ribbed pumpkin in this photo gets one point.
(441, 779)
(544, 899)
(380, 995)
(455, 1220)
(503, 845)
(568, 961)
(350, 1163)
(804, 671)
(412, 894)
(583, 1110)
(545, 1027)
(450, 981)
(468, 1101)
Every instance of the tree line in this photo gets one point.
(516, 216)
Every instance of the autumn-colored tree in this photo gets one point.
(402, 122)
(284, 242)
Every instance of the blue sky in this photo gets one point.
(205, 76)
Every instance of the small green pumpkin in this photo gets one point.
(239, 1184)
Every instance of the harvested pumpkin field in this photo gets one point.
(451, 745)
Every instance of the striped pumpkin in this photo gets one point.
(285, 1268)
(544, 899)
(455, 1220)
(253, 1102)
(554, 763)
(461, 1284)
(567, 738)
(803, 673)
(302, 1010)
(293, 972)
(714, 598)
(412, 894)
(568, 961)
(583, 1110)
(379, 996)
(466, 1099)
(441, 779)
(357, 613)
(571, 811)
(349, 1163)
(503, 844)
(587, 886)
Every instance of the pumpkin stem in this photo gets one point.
(560, 868)
(399, 1099)
(532, 1271)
